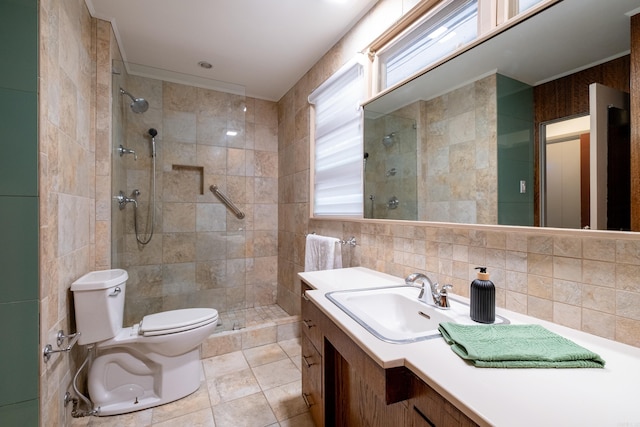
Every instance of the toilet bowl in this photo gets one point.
(150, 363)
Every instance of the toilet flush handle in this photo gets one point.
(116, 291)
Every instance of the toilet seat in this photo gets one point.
(169, 322)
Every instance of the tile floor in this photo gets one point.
(255, 387)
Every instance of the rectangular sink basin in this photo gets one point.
(395, 315)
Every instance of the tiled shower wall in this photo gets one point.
(67, 165)
(456, 158)
(459, 161)
(391, 170)
(583, 279)
(200, 253)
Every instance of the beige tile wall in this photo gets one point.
(68, 170)
(583, 279)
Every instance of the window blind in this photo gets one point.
(338, 154)
(445, 29)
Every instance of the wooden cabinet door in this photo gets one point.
(427, 408)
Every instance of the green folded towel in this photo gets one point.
(516, 346)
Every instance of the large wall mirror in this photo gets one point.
(472, 139)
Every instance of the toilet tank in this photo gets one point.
(99, 304)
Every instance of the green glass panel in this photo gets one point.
(19, 248)
(19, 143)
(515, 151)
(23, 414)
(19, 52)
(19, 361)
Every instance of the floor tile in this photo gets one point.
(234, 385)
(224, 364)
(250, 411)
(202, 418)
(264, 354)
(291, 347)
(286, 400)
(297, 360)
(193, 403)
(276, 373)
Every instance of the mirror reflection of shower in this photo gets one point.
(390, 144)
(389, 139)
(151, 210)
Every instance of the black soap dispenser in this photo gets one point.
(483, 298)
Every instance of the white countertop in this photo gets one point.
(500, 397)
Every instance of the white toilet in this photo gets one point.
(150, 363)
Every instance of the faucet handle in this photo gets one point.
(443, 296)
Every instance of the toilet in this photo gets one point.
(148, 364)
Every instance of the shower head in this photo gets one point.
(138, 105)
(153, 133)
(388, 140)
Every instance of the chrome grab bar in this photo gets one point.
(48, 349)
(238, 213)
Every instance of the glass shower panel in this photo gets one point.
(199, 254)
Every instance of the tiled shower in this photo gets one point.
(201, 254)
(390, 166)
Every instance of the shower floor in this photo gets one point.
(248, 317)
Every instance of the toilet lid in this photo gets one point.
(173, 321)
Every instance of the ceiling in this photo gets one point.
(260, 48)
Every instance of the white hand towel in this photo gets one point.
(322, 253)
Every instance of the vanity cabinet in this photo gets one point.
(344, 386)
(428, 408)
(312, 363)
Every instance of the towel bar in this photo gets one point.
(350, 242)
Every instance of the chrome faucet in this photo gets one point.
(123, 200)
(440, 296)
(124, 151)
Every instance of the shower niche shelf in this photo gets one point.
(196, 170)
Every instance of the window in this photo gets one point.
(441, 31)
(338, 151)
(524, 5)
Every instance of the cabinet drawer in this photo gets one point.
(312, 380)
(311, 363)
(311, 316)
